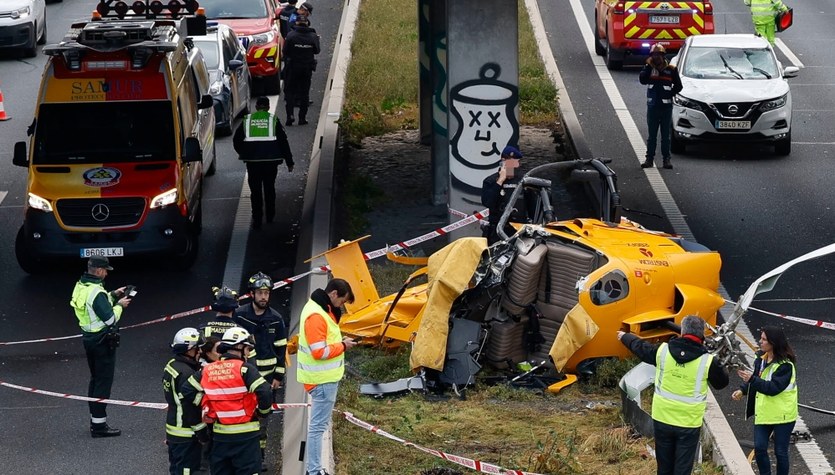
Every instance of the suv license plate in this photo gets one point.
(665, 19)
(733, 124)
(103, 251)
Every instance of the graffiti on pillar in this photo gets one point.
(485, 111)
(439, 107)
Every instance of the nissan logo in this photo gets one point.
(100, 212)
(733, 109)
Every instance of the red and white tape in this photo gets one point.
(483, 467)
(482, 214)
(805, 321)
(118, 402)
(284, 282)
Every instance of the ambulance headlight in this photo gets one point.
(37, 202)
(20, 13)
(263, 38)
(164, 199)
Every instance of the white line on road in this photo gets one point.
(789, 54)
(810, 452)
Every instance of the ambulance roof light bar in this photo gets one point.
(148, 9)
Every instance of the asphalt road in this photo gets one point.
(40, 434)
(758, 210)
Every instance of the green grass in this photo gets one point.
(382, 84)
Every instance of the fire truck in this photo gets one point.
(626, 29)
(122, 136)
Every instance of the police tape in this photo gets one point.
(482, 214)
(470, 219)
(805, 321)
(483, 467)
(118, 402)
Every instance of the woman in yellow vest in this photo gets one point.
(773, 385)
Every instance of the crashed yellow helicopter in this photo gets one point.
(555, 293)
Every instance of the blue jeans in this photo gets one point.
(321, 411)
(782, 434)
(659, 117)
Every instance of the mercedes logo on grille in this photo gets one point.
(665, 6)
(100, 212)
(733, 109)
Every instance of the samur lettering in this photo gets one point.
(115, 89)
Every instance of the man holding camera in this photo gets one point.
(98, 313)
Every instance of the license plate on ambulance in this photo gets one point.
(664, 19)
(103, 252)
(733, 124)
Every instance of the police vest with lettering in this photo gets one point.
(780, 408)
(680, 389)
(311, 370)
(259, 126)
(227, 399)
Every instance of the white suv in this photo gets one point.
(23, 25)
(734, 90)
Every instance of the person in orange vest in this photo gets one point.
(234, 397)
(321, 361)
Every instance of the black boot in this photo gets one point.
(103, 430)
(647, 163)
(290, 120)
(666, 164)
(303, 115)
(263, 461)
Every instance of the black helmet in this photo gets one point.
(260, 281)
(225, 299)
(307, 6)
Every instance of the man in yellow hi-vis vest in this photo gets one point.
(683, 367)
(321, 361)
(262, 144)
(763, 13)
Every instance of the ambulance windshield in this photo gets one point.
(117, 131)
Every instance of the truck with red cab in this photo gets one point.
(122, 137)
(625, 29)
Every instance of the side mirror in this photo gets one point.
(206, 102)
(235, 64)
(791, 72)
(192, 149)
(19, 158)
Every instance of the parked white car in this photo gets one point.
(23, 25)
(735, 89)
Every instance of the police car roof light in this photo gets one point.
(138, 7)
(148, 9)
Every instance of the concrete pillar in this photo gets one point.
(483, 78)
(424, 71)
(437, 51)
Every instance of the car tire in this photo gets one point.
(31, 49)
(677, 145)
(599, 48)
(25, 260)
(42, 39)
(272, 85)
(187, 257)
(226, 130)
(612, 64)
(784, 147)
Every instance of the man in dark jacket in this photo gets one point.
(663, 83)
(496, 191)
(682, 368)
(284, 17)
(267, 327)
(262, 144)
(184, 449)
(300, 49)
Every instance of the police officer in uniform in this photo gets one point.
(496, 191)
(234, 397)
(225, 302)
(284, 17)
(98, 313)
(266, 325)
(663, 83)
(300, 49)
(183, 447)
(683, 367)
(262, 144)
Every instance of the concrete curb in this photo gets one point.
(315, 236)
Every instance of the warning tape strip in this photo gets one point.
(118, 402)
(469, 219)
(483, 467)
(805, 321)
(484, 213)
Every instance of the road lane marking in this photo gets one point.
(810, 452)
(3, 196)
(789, 54)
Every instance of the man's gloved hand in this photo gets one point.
(203, 436)
(293, 345)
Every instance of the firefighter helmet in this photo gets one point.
(260, 281)
(185, 339)
(225, 299)
(237, 335)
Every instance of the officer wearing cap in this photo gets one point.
(496, 191)
(98, 313)
(663, 83)
(184, 449)
(261, 143)
(224, 302)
